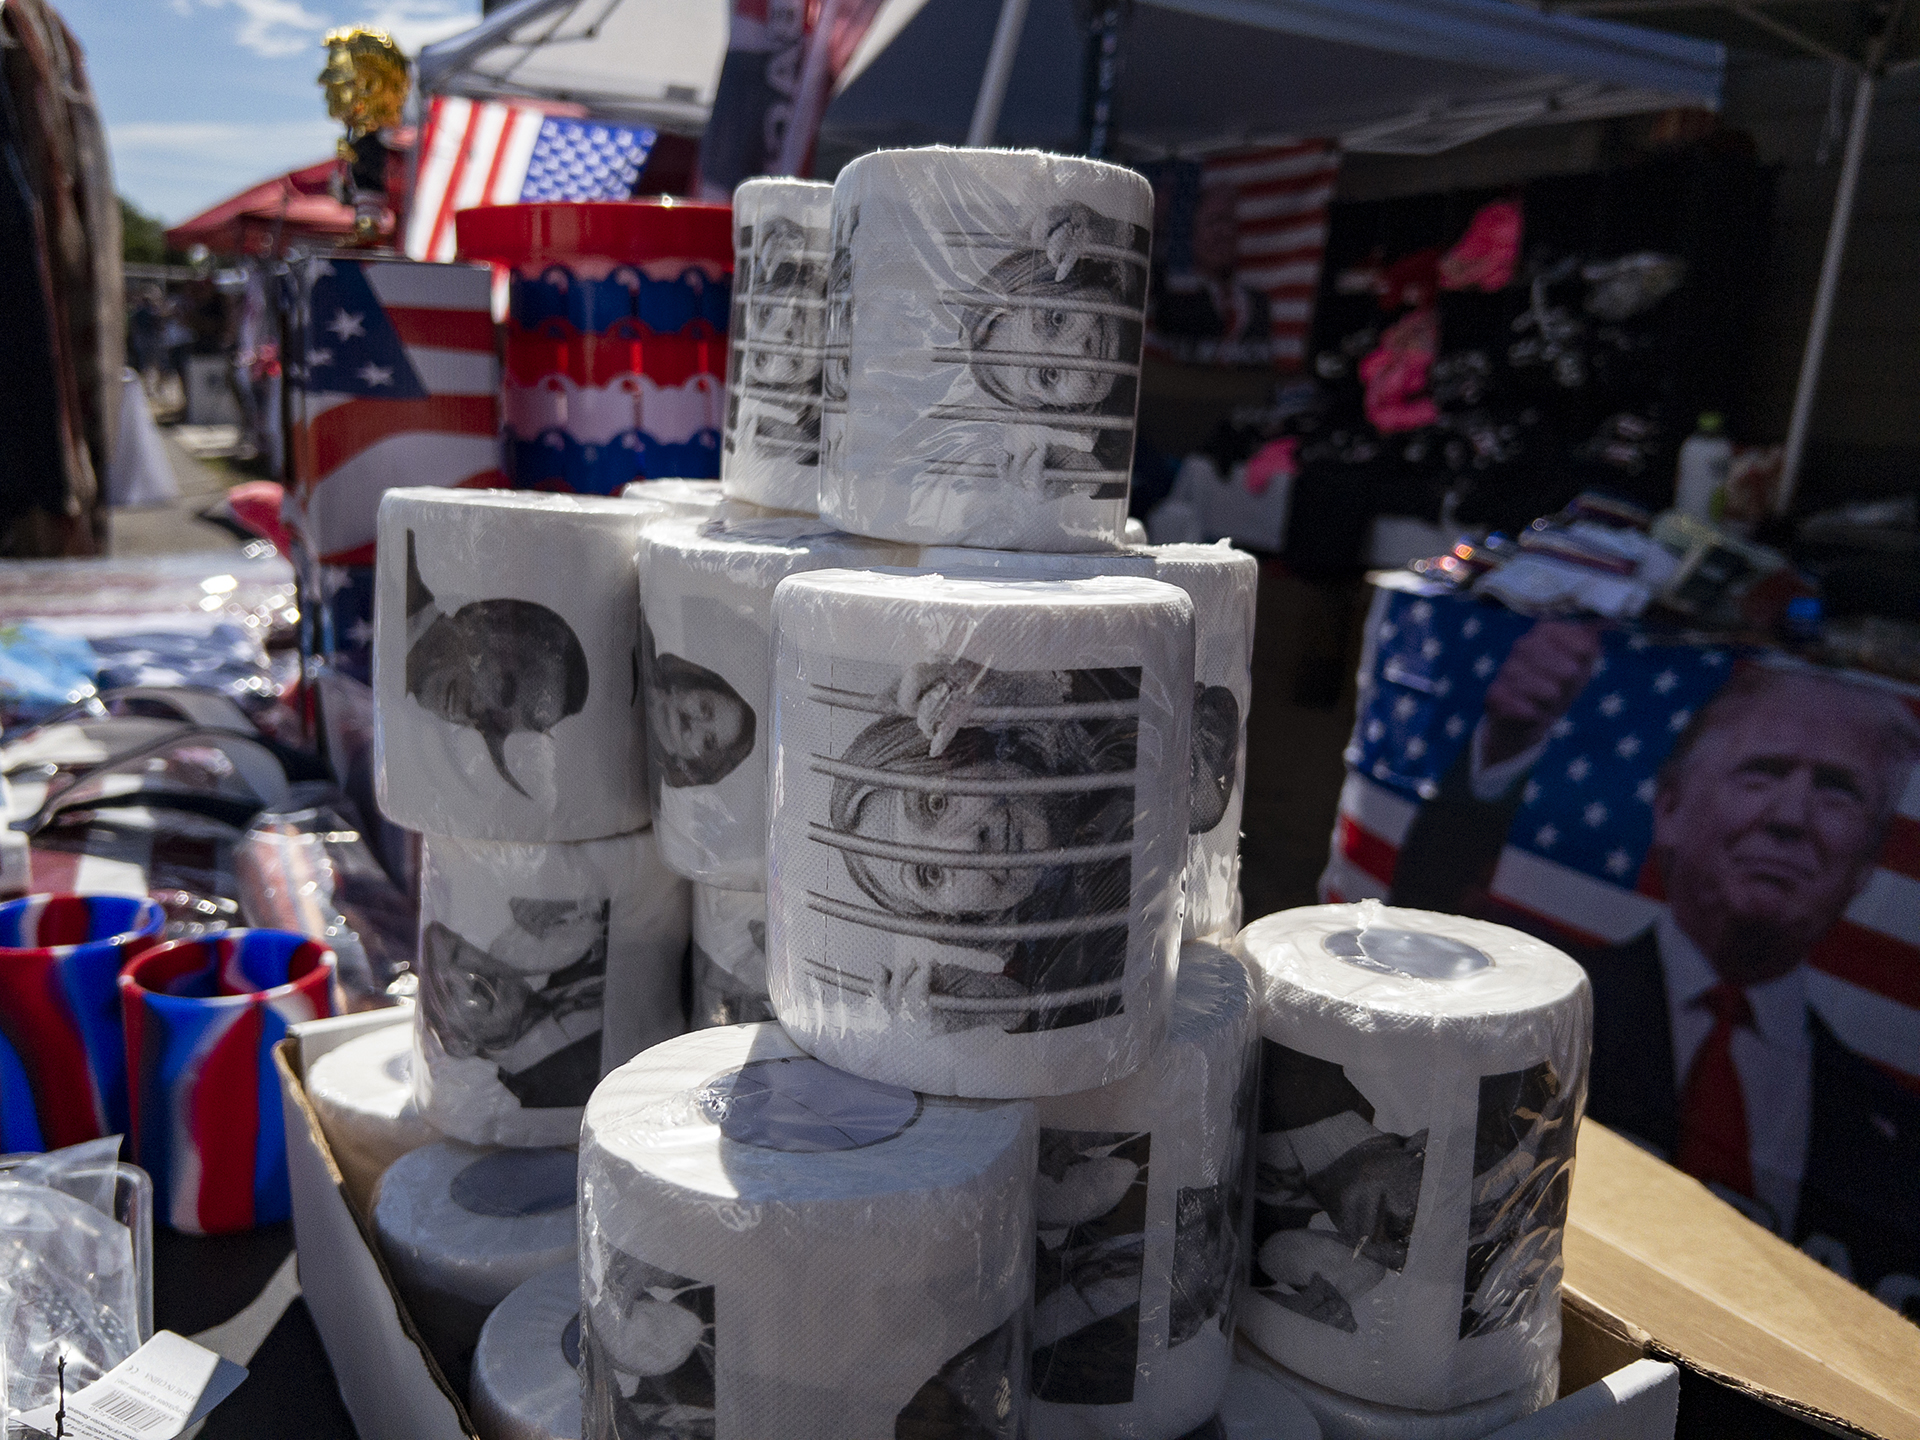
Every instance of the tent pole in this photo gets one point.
(1837, 231)
(993, 83)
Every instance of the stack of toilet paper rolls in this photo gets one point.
(1422, 1082)
(552, 938)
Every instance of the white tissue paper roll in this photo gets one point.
(506, 665)
(526, 1369)
(990, 306)
(1422, 1080)
(695, 499)
(1142, 1207)
(1341, 1417)
(770, 449)
(729, 955)
(707, 591)
(1035, 564)
(771, 1247)
(1222, 582)
(979, 826)
(461, 1227)
(541, 968)
(363, 1093)
(1257, 1407)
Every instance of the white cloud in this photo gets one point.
(176, 168)
(415, 23)
(273, 28)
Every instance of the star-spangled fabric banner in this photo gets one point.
(353, 348)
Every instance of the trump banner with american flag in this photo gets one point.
(1238, 242)
(1728, 838)
(488, 152)
(395, 383)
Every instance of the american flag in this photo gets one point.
(1282, 194)
(491, 153)
(395, 384)
(1575, 859)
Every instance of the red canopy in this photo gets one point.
(265, 218)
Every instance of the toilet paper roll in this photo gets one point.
(363, 1094)
(1258, 1407)
(729, 957)
(774, 1247)
(770, 449)
(1222, 583)
(1034, 564)
(526, 1368)
(684, 498)
(707, 590)
(505, 665)
(1423, 1078)
(991, 304)
(462, 1227)
(1142, 1209)
(978, 826)
(1341, 1417)
(541, 968)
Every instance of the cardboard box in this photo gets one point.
(1767, 1342)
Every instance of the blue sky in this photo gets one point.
(204, 97)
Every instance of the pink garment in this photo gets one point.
(1273, 460)
(1396, 374)
(255, 504)
(1484, 258)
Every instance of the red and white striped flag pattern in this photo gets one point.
(396, 384)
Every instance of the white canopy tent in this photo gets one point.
(1406, 76)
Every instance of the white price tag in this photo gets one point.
(153, 1394)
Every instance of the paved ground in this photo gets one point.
(170, 529)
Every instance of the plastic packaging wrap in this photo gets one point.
(979, 826)
(990, 306)
(1223, 583)
(770, 448)
(506, 665)
(461, 1228)
(202, 1018)
(76, 1269)
(61, 1041)
(541, 967)
(1341, 1417)
(961, 560)
(1142, 1208)
(363, 1094)
(707, 590)
(729, 957)
(305, 867)
(526, 1368)
(696, 499)
(1258, 1407)
(773, 1247)
(1422, 1081)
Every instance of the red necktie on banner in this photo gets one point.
(1713, 1109)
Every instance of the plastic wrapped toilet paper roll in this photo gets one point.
(694, 499)
(1222, 582)
(979, 825)
(1341, 1417)
(462, 1227)
(732, 1187)
(1034, 564)
(526, 1369)
(729, 957)
(505, 665)
(1141, 1204)
(1422, 1080)
(991, 304)
(770, 449)
(541, 967)
(363, 1094)
(1257, 1407)
(707, 590)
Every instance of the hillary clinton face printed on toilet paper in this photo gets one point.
(494, 666)
(947, 809)
(529, 1000)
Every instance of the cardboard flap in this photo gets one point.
(1665, 1263)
